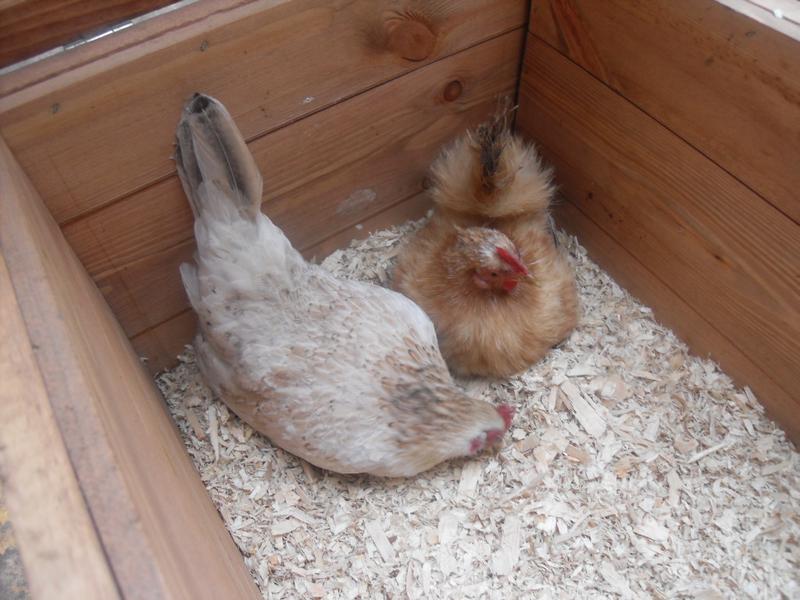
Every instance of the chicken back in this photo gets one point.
(344, 374)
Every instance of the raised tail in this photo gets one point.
(490, 140)
(239, 250)
(215, 166)
(490, 172)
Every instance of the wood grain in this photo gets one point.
(40, 77)
(762, 11)
(160, 345)
(157, 526)
(104, 133)
(721, 248)
(59, 546)
(30, 27)
(321, 174)
(789, 9)
(671, 310)
(725, 83)
(410, 209)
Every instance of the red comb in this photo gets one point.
(507, 412)
(511, 261)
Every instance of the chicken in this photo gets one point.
(343, 374)
(487, 267)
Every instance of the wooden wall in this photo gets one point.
(343, 104)
(674, 127)
(105, 500)
(29, 27)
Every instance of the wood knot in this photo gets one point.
(453, 90)
(409, 37)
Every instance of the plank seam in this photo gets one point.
(346, 98)
(361, 220)
(127, 46)
(303, 249)
(58, 424)
(668, 128)
(681, 298)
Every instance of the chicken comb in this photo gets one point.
(507, 412)
(512, 261)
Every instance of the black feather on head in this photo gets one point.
(492, 136)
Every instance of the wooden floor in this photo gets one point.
(679, 169)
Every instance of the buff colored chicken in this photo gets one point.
(344, 374)
(487, 267)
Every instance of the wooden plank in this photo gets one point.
(671, 310)
(725, 83)
(407, 210)
(368, 153)
(58, 544)
(42, 76)
(29, 27)
(271, 61)
(149, 291)
(763, 11)
(160, 345)
(158, 528)
(722, 249)
(779, 9)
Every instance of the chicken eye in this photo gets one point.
(494, 274)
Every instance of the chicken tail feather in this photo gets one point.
(492, 138)
(210, 152)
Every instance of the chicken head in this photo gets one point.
(487, 258)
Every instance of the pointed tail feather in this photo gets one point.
(210, 151)
(491, 138)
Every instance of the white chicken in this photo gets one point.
(344, 374)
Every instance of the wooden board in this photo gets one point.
(59, 546)
(777, 9)
(411, 209)
(726, 84)
(719, 247)
(159, 530)
(101, 131)
(764, 11)
(43, 76)
(671, 310)
(322, 174)
(160, 345)
(29, 27)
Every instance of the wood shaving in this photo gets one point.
(585, 410)
(634, 470)
(615, 580)
(375, 531)
(505, 559)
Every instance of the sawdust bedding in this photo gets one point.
(633, 469)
